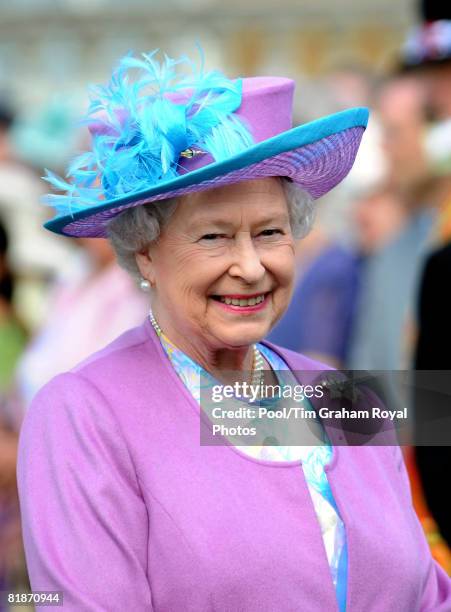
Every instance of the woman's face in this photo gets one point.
(223, 267)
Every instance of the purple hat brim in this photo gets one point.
(316, 156)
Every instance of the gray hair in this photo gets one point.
(137, 227)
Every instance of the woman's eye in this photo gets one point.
(270, 232)
(212, 236)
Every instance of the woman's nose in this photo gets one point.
(247, 262)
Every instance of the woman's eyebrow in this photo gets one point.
(195, 224)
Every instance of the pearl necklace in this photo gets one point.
(257, 364)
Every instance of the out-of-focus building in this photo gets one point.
(60, 45)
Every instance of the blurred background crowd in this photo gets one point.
(372, 290)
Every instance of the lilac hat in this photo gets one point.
(165, 134)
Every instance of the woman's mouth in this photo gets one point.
(243, 303)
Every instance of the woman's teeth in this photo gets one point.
(253, 301)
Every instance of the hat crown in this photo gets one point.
(267, 106)
(266, 110)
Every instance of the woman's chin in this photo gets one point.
(243, 335)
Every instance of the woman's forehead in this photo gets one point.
(267, 185)
(251, 203)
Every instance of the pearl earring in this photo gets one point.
(144, 285)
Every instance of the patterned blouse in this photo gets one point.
(314, 458)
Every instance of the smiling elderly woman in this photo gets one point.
(221, 247)
(202, 186)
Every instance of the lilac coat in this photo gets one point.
(124, 510)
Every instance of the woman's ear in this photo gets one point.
(145, 264)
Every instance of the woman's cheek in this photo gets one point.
(281, 263)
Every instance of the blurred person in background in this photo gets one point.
(427, 53)
(12, 332)
(34, 257)
(433, 353)
(382, 335)
(13, 338)
(88, 307)
(319, 321)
